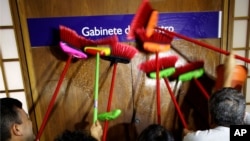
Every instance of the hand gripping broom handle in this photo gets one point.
(53, 99)
(109, 101)
(176, 104)
(203, 44)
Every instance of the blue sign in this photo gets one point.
(45, 31)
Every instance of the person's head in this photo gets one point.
(75, 136)
(227, 107)
(155, 132)
(15, 123)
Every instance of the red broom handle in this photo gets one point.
(214, 48)
(176, 104)
(104, 136)
(53, 99)
(158, 96)
(201, 88)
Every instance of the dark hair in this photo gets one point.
(227, 107)
(8, 116)
(155, 132)
(75, 136)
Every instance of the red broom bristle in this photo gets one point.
(141, 18)
(156, 37)
(86, 42)
(69, 36)
(123, 51)
(110, 40)
(161, 38)
(186, 68)
(164, 62)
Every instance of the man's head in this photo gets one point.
(227, 107)
(155, 132)
(75, 136)
(15, 123)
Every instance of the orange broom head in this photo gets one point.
(152, 23)
(164, 62)
(121, 53)
(157, 42)
(141, 18)
(70, 36)
(187, 68)
(156, 47)
(156, 37)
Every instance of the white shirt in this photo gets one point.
(247, 118)
(219, 133)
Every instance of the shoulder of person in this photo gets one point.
(247, 118)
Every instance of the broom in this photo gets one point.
(101, 47)
(200, 65)
(217, 49)
(167, 70)
(191, 71)
(147, 17)
(120, 53)
(156, 43)
(97, 51)
(68, 37)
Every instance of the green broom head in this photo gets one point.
(189, 71)
(114, 114)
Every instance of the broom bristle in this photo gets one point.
(86, 42)
(110, 40)
(77, 53)
(121, 53)
(161, 38)
(156, 37)
(187, 68)
(70, 36)
(164, 62)
(123, 50)
(141, 18)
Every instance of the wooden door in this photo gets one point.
(134, 92)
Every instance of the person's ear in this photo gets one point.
(16, 129)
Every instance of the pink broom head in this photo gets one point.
(121, 53)
(77, 53)
(141, 18)
(70, 36)
(187, 68)
(164, 62)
